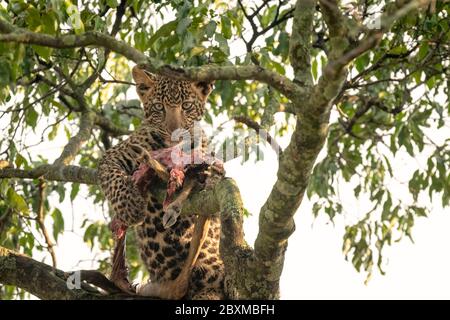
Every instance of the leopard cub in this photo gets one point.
(169, 105)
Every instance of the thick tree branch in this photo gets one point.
(204, 73)
(91, 38)
(213, 72)
(54, 173)
(35, 277)
(48, 283)
(300, 42)
(276, 221)
(207, 201)
(334, 18)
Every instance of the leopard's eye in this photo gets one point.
(187, 106)
(158, 106)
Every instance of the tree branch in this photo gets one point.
(99, 120)
(53, 172)
(260, 131)
(120, 12)
(48, 283)
(204, 73)
(334, 18)
(342, 57)
(76, 142)
(277, 20)
(110, 127)
(300, 42)
(40, 220)
(35, 277)
(276, 223)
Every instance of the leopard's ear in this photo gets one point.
(144, 80)
(203, 88)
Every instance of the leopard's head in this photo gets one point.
(171, 104)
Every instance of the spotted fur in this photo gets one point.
(168, 105)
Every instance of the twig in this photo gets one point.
(40, 220)
(261, 131)
(76, 142)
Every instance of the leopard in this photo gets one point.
(169, 104)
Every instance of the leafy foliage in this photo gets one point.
(395, 101)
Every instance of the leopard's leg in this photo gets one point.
(177, 289)
(128, 197)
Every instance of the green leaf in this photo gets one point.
(20, 160)
(431, 83)
(420, 212)
(423, 50)
(223, 43)
(49, 23)
(31, 117)
(33, 19)
(140, 39)
(314, 68)
(112, 3)
(58, 223)
(5, 72)
(52, 134)
(74, 17)
(225, 25)
(362, 62)
(16, 201)
(43, 52)
(401, 49)
(183, 24)
(197, 50)
(74, 191)
(210, 29)
(417, 75)
(278, 67)
(386, 213)
(61, 190)
(90, 234)
(188, 42)
(164, 31)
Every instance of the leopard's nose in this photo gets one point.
(174, 119)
